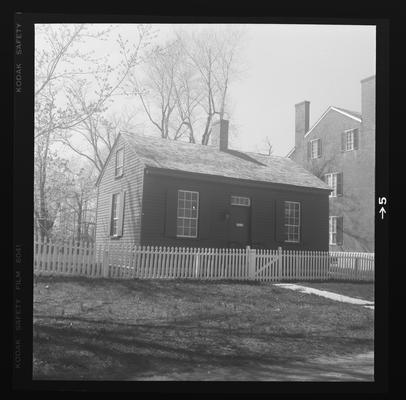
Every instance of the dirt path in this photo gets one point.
(346, 368)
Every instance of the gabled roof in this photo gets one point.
(357, 115)
(208, 160)
(348, 113)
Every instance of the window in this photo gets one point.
(114, 214)
(188, 214)
(240, 201)
(315, 148)
(335, 230)
(334, 180)
(119, 163)
(292, 222)
(350, 140)
(332, 230)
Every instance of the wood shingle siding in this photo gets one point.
(130, 187)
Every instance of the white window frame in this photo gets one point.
(331, 180)
(331, 231)
(183, 217)
(114, 218)
(292, 225)
(312, 157)
(121, 166)
(349, 133)
(240, 201)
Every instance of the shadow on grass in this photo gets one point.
(130, 351)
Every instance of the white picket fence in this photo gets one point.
(148, 262)
(352, 266)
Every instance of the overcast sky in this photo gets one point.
(284, 65)
(291, 63)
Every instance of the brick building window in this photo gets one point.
(349, 140)
(187, 214)
(335, 181)
(335, 230)
(292, 221)
(314, 149)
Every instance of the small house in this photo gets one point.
(159, 192)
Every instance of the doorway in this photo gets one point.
(239, 227)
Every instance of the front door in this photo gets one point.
(239, 226)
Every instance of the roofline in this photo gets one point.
(347, 114)
(291, 151)
(367, 79)
(107, 160)
(325, 112)
(229, 180)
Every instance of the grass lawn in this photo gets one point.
(359, 290)
(145, 329)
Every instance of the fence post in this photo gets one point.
(280, 260)
(356, 261)
(251, 262)
(197, 265)
(105, 265)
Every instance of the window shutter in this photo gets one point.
(340, 184)
(203, 222)
(319, 148)
(309, 150)
(356, 139)
(280, 221)
(121, 214)
(110, 216)
(339, 231)
(343, 141)
(171, 212)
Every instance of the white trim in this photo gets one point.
(330, 233)
(290, 152)
(188, 218)
(317, 148)
(346, 131)
(238, 198)
(116, 208)
(334, 109)
(332, 188)
(347, 114)
(298, 226)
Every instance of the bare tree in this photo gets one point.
(187, 82)
(95, 136)
(213, 56)
(71, 86)
(162, 90)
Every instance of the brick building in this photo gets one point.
(340, 149)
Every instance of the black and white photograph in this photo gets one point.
(204, 202)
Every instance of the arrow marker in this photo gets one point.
(382, 211)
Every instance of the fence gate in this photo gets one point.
(267, 264)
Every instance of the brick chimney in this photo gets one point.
(368, 103)
(219, 134)
(302, 119)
